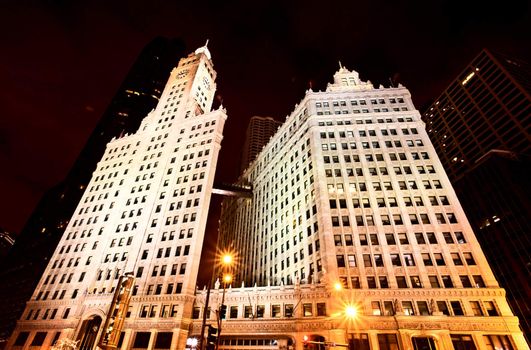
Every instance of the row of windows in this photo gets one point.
(363, 110)
(396, 219)
(373, 171)
(378, 157)
(166, 252)
(365, 133)
(157, 289)
(391, 202)
(423, 308)
(373, 282)
(368, 145)
(362, 102)
(365, 121)
(402, 238)
(339, 188)
(71, 262)
(406, 259)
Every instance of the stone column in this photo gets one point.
(152, 338)
(373, 340)
(338, 336)
(179, 338)
(128, 337)
(404, 340)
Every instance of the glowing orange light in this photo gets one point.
(227, 259)
(227, 278)
(351, 311)
(338, 286)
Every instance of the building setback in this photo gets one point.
(479, 127)
(350, 193)
(138, 94)
(143, 212)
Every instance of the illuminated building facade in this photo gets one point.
(138, 94)
(144, 212)
(351, 206)
(479, 127)
(259, 131)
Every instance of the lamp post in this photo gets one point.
(351, 314)
(226, 261)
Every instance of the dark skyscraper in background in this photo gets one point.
(480, 127)
(259, 131)
(136, 97)
(487, 107)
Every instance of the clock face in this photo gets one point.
(206, 83)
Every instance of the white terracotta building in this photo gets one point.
(351, 191)
(144, 211)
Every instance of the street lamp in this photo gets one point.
(351, 312)
(351, 315)
(226, 261)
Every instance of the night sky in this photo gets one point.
(61, 63)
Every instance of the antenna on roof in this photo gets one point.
(340, 65)
(206, 44)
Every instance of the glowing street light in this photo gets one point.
(338, 286)
(227, 259)
(227, 278)
(351, 312)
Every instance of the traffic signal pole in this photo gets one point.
(202, 335)
(220, 316)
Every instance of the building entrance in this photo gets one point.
(89, 332)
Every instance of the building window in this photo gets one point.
(260, 310)
(376, 311)
(288, 310)
(21, 339)
(457, 308)
(163, 340)
(142, 340)
(387, 342)
(423, 343)
(38, 340)
(462, 342)
(476, 308)
(491, 308)
(407, 306)
(359, 341)
(401, 281)
(234, 311)
(497, 342)
(307, 309)
(423, 308)
(321, 309)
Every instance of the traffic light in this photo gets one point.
(222, 311)
(212, 338)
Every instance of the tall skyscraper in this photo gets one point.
(354, 235)
(487, 107)
(138, 94)
(259, 131)
(143, 212)
(480, 129)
